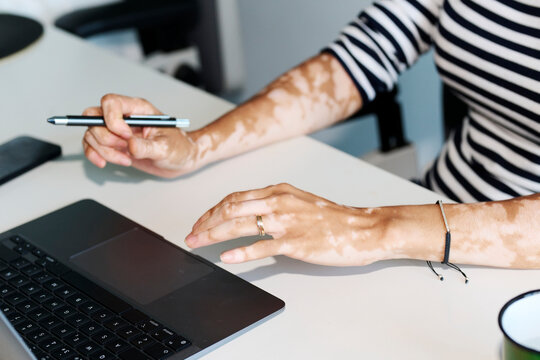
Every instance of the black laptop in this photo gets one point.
(85, 282)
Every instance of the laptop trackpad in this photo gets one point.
(140, 266)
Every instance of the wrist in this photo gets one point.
(414, 232)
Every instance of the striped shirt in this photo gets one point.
(488, 52)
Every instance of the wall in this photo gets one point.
(279, 34)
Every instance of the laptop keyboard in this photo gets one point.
(63, 315)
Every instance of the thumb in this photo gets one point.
(142, 148)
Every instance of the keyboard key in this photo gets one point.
(25, 327)
(132, 354)
(40, 262)
(135, 316)
(38, 314)
(158, 351)
(63, 353)
(142, 341)
(77, 320)
(62, 330)
(76, 339)
(8, 274)
(115, 324)
(15, 298)
(42, 296)
(27, 246)
(40, 355)
(42, 277)
(15, 318)
(65, 292)
(117, 346)
(91, 328)
(103, 336)
(7, 255)
(52, 285)
(16, 239)
(90, 307)
(128, 332)
(50, 321)
(98, 293)
(53, 304)
(37, 335)
(6, 290)
(101, 355)
(162, 334)
(20, 249)
(20, 263)
(64, 311)
(77, 299)
(149, 326)
(31, 270)
(87, 348)
(26, 306)
(19, 281)
(30, 288)
(7, 309)
(102, 315)
(39, 253)
(49, 344)
(3, 266)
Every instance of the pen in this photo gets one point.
(132, 120)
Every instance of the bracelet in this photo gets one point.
(448, 240)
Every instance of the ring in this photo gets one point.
(260, 225)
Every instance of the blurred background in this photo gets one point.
(233, 48)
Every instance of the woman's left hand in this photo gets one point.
(302, 225)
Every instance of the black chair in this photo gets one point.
(162, 25)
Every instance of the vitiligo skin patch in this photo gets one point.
(307, 227)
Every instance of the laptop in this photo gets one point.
(85, 282)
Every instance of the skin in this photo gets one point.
(311, 96)
(307, 227)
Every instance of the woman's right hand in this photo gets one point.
(165, 152)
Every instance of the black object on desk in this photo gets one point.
(16, 33)
(24, 153)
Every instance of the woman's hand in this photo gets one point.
(303, 226)
(166, 152)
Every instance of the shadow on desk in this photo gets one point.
(111, 172)
(284, 264)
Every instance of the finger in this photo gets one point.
(258, 250)
(109, 154)
(155, 149)
(106, 138)
(116, 106)
(247, 195)
(93, 111)
(93, 156)
(232, 210)
(232, 229)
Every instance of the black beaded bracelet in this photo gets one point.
(446, 249)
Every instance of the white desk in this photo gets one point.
(388, 310)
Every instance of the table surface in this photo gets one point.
(387, 310)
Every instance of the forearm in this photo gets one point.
(309, 97)
(499, 233)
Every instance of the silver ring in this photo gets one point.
(260, 225)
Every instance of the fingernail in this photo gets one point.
(190, 240)
(231, 257)
(228, 257)
(126, 162)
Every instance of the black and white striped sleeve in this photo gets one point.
(383, 41)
